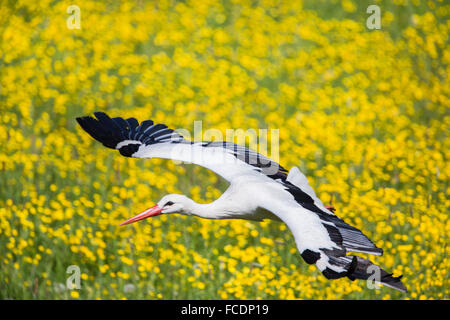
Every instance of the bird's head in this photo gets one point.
(174, 203)
(171, 203)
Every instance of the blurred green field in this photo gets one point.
(364, 113)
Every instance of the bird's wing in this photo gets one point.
(149, 140)
(324, 240)
(343, 234)
(298, 179)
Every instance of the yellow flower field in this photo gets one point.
(364, 113)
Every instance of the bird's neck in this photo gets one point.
(211, 210)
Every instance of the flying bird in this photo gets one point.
(259, 189)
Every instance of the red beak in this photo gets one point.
(151, 212)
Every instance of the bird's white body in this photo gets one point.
(259, 189)
(235, 203)
(247, 198)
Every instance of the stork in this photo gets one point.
(259, 189)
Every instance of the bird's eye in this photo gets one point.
(168, 203)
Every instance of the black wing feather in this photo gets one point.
(121, 123)
(111, 132)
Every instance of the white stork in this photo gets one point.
(259, 189)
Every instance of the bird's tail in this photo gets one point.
(355, 267)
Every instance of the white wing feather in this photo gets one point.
(297, 178)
